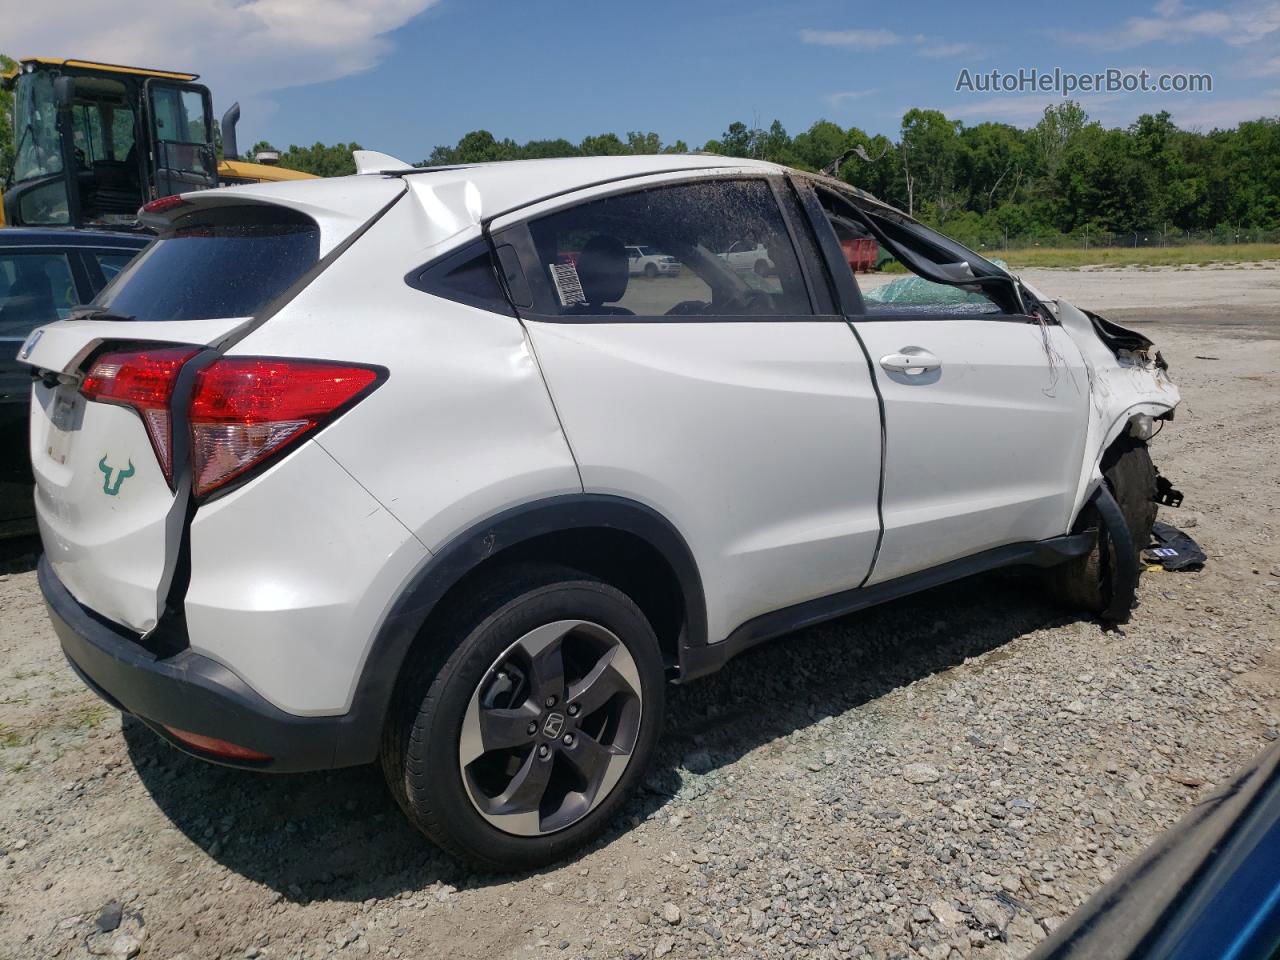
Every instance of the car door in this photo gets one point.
(738, 406)
(985, 407)
(180, 121)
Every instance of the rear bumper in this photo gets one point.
(197, 694)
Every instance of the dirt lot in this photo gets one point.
(945, 777)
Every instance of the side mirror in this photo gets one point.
(64, 90)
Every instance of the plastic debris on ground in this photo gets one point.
(1172, 549)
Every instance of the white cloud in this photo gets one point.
(926, 46)
(1022, 111)
(1119, 110)
(851, 39)
(1268, 68)
(243, 49)
(941, 50)
(1205, 114)
(1175, 22)
(836, 99)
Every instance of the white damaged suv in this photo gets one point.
(367, 469)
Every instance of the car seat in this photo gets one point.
(603, 272)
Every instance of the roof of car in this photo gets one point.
(456, 200)
(456, 197)
(67, 237)
(501, 186)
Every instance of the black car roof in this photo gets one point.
(55, 237)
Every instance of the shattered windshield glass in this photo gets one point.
(913, 291)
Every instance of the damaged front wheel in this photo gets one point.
(1103, 581)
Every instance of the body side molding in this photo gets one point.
(1042, 553)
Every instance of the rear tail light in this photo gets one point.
(142, 380)
(244, 410)
(248, 409)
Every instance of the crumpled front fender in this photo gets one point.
(1123, 387)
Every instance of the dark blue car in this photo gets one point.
(43, 274)
(1207, 889)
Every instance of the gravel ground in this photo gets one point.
(948, 776)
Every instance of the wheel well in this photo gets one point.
(621, 559)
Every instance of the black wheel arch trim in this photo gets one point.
(476, 545)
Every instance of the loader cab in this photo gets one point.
(94, 142)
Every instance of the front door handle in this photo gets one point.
(913, 361)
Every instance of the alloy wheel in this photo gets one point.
(551, 727)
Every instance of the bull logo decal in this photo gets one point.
(109, 488)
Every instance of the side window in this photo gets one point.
(35, 288)
(466, 276)
(710, 248)
(178, 116)
(888, 286)
(111, 263)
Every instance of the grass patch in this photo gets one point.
(89, 718)
(10, 738)
(1200, 254)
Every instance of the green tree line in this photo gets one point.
(1065, 176)
(6, 120)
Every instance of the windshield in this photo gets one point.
(38, 152)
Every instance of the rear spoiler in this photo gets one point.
(370, 161)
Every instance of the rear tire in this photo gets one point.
(480, 799)
(1130, 475)
(650, 270)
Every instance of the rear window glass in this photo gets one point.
(226, 262)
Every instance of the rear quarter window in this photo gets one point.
(220, 262)
(468, 275)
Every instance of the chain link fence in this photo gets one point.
(1150, 237)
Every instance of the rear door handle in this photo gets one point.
(913, 361)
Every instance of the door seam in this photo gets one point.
(884, 450)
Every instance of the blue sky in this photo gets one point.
(404, 75)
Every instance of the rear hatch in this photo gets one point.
(109, 447)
